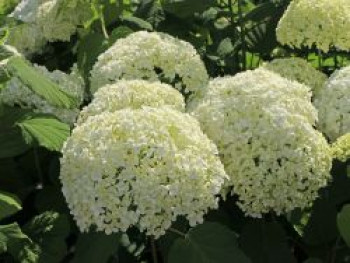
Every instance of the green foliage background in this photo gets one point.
(231, 36)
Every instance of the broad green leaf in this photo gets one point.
(343, 222)
(49, 231)
(207, 243)
(262, 37)
(22, 128)
(9, 204)
(89, 48)
(261, 12)
(17, 244)
(47, 131)
(137, 23)
(119, 32)
(321, 227)
(186, 8)
(39, 84)
(96, 247)
(265, 242)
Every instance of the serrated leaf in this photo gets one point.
(9, 204)
(343, 223)
(207, 243)
(265, 242)
(17, 244)
(96, 247)
(44, 87)
(47, 131)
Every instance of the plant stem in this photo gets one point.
(154, 250)
(103, 23)
(177, 232)
(319, 60)
(242, 34)
(37, 165)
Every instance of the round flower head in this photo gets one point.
(265, 86)
(298, 69)
(333, 104)
(17, 93)
(323, 23)
(151, 56)
(132, 94)
(275, 159)
(140, 168)
(341, 148)
(47, 21)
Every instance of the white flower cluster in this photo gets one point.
(263, 127)
(17, 93)
(341, 148)
(333, 104)
(298, 69)
(46, 21)
(140, 167)
(132, 94)
(265, 86)
(151, 56)
(324, 23)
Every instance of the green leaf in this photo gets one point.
(119, 32)
(343, 222)
(265, 242)
(186, 8)
(89, 48)
(207, 243)
(321, 227)
(261, 38)
(137, 23)
(47, 131)
(20, 129)
(17, 244)
(9, 204)
(96, 247)
(44, 87)
(261, 12)
(49, 231)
